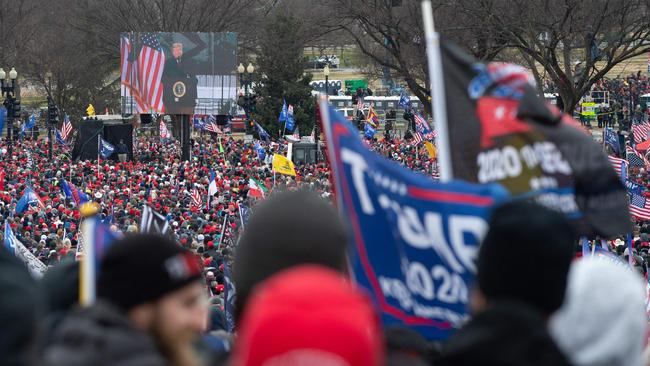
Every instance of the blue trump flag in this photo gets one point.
(611, 140)
(413, 242)
(404, 100)
(28, 199)
(10, 239)
(31, 122)
(291, 123)
(284, 112)
(229, 296)
(262, 132)
(369, 131)
(3, 115)
(59, 138)
(261, 154)
(106, 148)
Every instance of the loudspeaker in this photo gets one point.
(85, 147)
(145, 119)
(222, 119)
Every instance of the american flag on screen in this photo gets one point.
(142, 72)
(66, 128)
(639, 207)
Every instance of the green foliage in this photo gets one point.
(281, 76)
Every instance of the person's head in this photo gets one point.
(602, 320)
(177, 50)
(525, 257)
(292, 321)
(316, 236)
(156, 283)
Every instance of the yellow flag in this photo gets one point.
(283, 165)
(430, 149)
(90, 110)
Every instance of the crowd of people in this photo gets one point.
(164, 300)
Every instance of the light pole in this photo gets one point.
(10, 103)
(250, 69)
(48, 79)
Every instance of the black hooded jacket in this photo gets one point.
(505, 334)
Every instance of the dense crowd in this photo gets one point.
(161, 303)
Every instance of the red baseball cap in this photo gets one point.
(329, 323)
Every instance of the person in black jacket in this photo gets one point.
(523, 266)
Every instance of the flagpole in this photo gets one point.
(437, 87)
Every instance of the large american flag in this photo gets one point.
(617, 163)
(66, 128)
(639, 207)
(151, 62)
(143, 74)
(641, 132)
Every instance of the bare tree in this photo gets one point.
(565, 36)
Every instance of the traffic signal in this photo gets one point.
(16, 107)
(52, 114)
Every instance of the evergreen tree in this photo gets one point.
(281, 77)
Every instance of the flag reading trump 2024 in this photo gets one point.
(413, 242)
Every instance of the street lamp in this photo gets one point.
(8, 91)
(49, 122)
(250, 69)
(326, 72)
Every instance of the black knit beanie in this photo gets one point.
(141, 268)
(285, 230)
(526, 256)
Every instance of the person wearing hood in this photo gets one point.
(515, 296)
(603, 320)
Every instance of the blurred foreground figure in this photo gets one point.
(523, 265)
(287, 229)
(151, 309)
(603, 320)
(308, 315)
(19, 312)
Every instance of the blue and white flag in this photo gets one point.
(633, 187)
(244, 214)
(198, 123)
(31, 122)
(261, 153)
(369, 131)
(413, 243)
(404, 100)
(284, 112)
(262, 132)
(10, 239)
(106, 148)
(611, 140)
(3, 115)
(229, 297)
(59, 138)
(291, 122)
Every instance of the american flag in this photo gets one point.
(196, 198)
(164, 132)
(641, 132)
(634, 157)
(417, 138)
(151, 62)
(423, 128)
(66, 128)
(211, 125)
(639, 207)
(617, 163)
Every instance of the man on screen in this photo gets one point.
(179, 80)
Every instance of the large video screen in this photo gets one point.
(178, 73)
